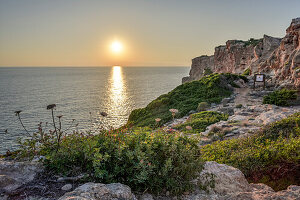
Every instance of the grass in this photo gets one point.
(200, 121)
(186, 97)
(275, 147)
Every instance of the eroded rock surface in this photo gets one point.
(99, 191)
(14, 174)
(231, 184)
(226, 179)
(278, 58)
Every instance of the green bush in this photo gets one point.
(239, 106)
(207, 71)
(280, 97)
(253, 42)
(210, 89)
(277, 143)
(199, 121)
(246, 72)
(141, 159)
(202, 106)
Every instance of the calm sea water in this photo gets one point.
(80, 94)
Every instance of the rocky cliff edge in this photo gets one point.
(279, 58)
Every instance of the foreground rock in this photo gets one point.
(225, 179)
(230, 183)
(99, 191)
(218, 182)
(275, 57)
(221, 182)
(15, 174)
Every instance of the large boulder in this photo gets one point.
(99, 191)
(223, 179)
(223, 182)
(14, 174)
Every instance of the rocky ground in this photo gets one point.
(228, 183)
(247, 113)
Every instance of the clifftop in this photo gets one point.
(277, 57)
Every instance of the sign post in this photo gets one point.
(260, 78)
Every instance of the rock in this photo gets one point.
(37, 198)
(199, 64)
(3, 197)
(226, 179)
(99, 191)
(191, 112)
(202, 196)
(38, 158)
(213, 105)
(76, 178)
(67, 187)
(277, 58)
(264, 192)
(226, 101)
(227, 110)
(14, 174)
(146, 196)
(229, 135)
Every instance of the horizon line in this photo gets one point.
(98, 66)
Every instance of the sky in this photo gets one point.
(152, 32)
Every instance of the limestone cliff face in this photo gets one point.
(284, 62)
(276, 57)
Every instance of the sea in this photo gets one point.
(80, 95)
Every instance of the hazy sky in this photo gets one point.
(153, 32)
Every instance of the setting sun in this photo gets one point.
(116, 47)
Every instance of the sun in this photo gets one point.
(116, 47)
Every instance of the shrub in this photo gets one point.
(207, 71)
(275, 144)
(141, 159)
(280, 97)
(252, 41)
(202, 106)
(210, 89)
(200, 121)
(239, 106)
(246, 72)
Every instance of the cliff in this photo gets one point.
(278, 58)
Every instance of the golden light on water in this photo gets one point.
(117, 83)
(117, 103)
(118, 95)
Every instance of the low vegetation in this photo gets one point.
(202, 106)
(207, 71)
(184, 98)
(281, 97)
(276, 147)
(143, 159)
(246, 72)
(199, 121)
(253, 42)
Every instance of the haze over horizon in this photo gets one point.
(150, 33)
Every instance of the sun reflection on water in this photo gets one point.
(118, 96)
(117, 84)
(117, 103)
